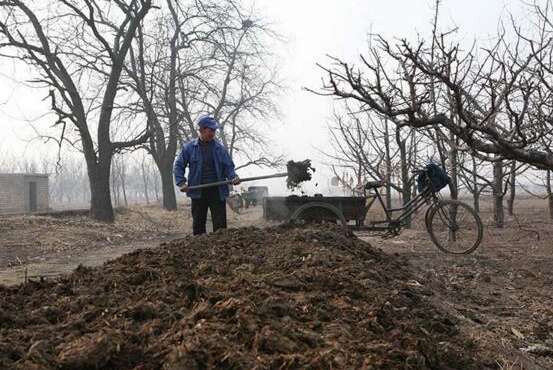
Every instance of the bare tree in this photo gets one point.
(78, 48)
(485, 92)
(154, 69)
(365, 145)
(472, 177)
(145, 178)
(68, 182)
(549, 193)
(237, 86)
(197, 58)
(533, 179)
(119, 180)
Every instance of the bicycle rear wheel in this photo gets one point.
(454, 227)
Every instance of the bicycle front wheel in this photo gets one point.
(455, 227)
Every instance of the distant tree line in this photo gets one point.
(135, 179)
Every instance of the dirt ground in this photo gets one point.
(47, 246)
(502, 293)
(501, 296)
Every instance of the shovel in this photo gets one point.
(296, 172)
(225, 182)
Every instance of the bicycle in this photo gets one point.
(454, 227)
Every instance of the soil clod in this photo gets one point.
(298, 172)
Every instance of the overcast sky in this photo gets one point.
(312, 29)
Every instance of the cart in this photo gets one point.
(454, 227)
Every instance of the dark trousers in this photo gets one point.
(209, 199)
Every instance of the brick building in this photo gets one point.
(23, 193)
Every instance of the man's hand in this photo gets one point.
(183, 188)
(236, 181)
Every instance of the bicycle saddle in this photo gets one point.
(374, 184)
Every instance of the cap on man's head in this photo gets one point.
(209, 122)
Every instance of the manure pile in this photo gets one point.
(278, 298)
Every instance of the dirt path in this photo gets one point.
(46, 246)
(55, 266)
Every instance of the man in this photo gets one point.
(208, 162)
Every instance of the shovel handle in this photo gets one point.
(225, 182)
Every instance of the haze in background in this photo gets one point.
(311, 29)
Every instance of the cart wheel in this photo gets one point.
(318, 212)
(454, 227)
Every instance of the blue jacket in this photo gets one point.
(191, 156)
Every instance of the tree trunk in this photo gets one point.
(405, 188)
(413, 161)
(549, 194)
(145, 181)
(123, 187)
(388, 175)
(116, 191)
(113, 183)
(454, 167)
(476, 190)
(498, 212)
(156, 188)
(512, 190)
(169, 197)
(476, 199)
(101, 208)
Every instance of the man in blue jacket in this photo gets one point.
(208, 161)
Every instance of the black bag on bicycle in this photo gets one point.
(437, 176)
